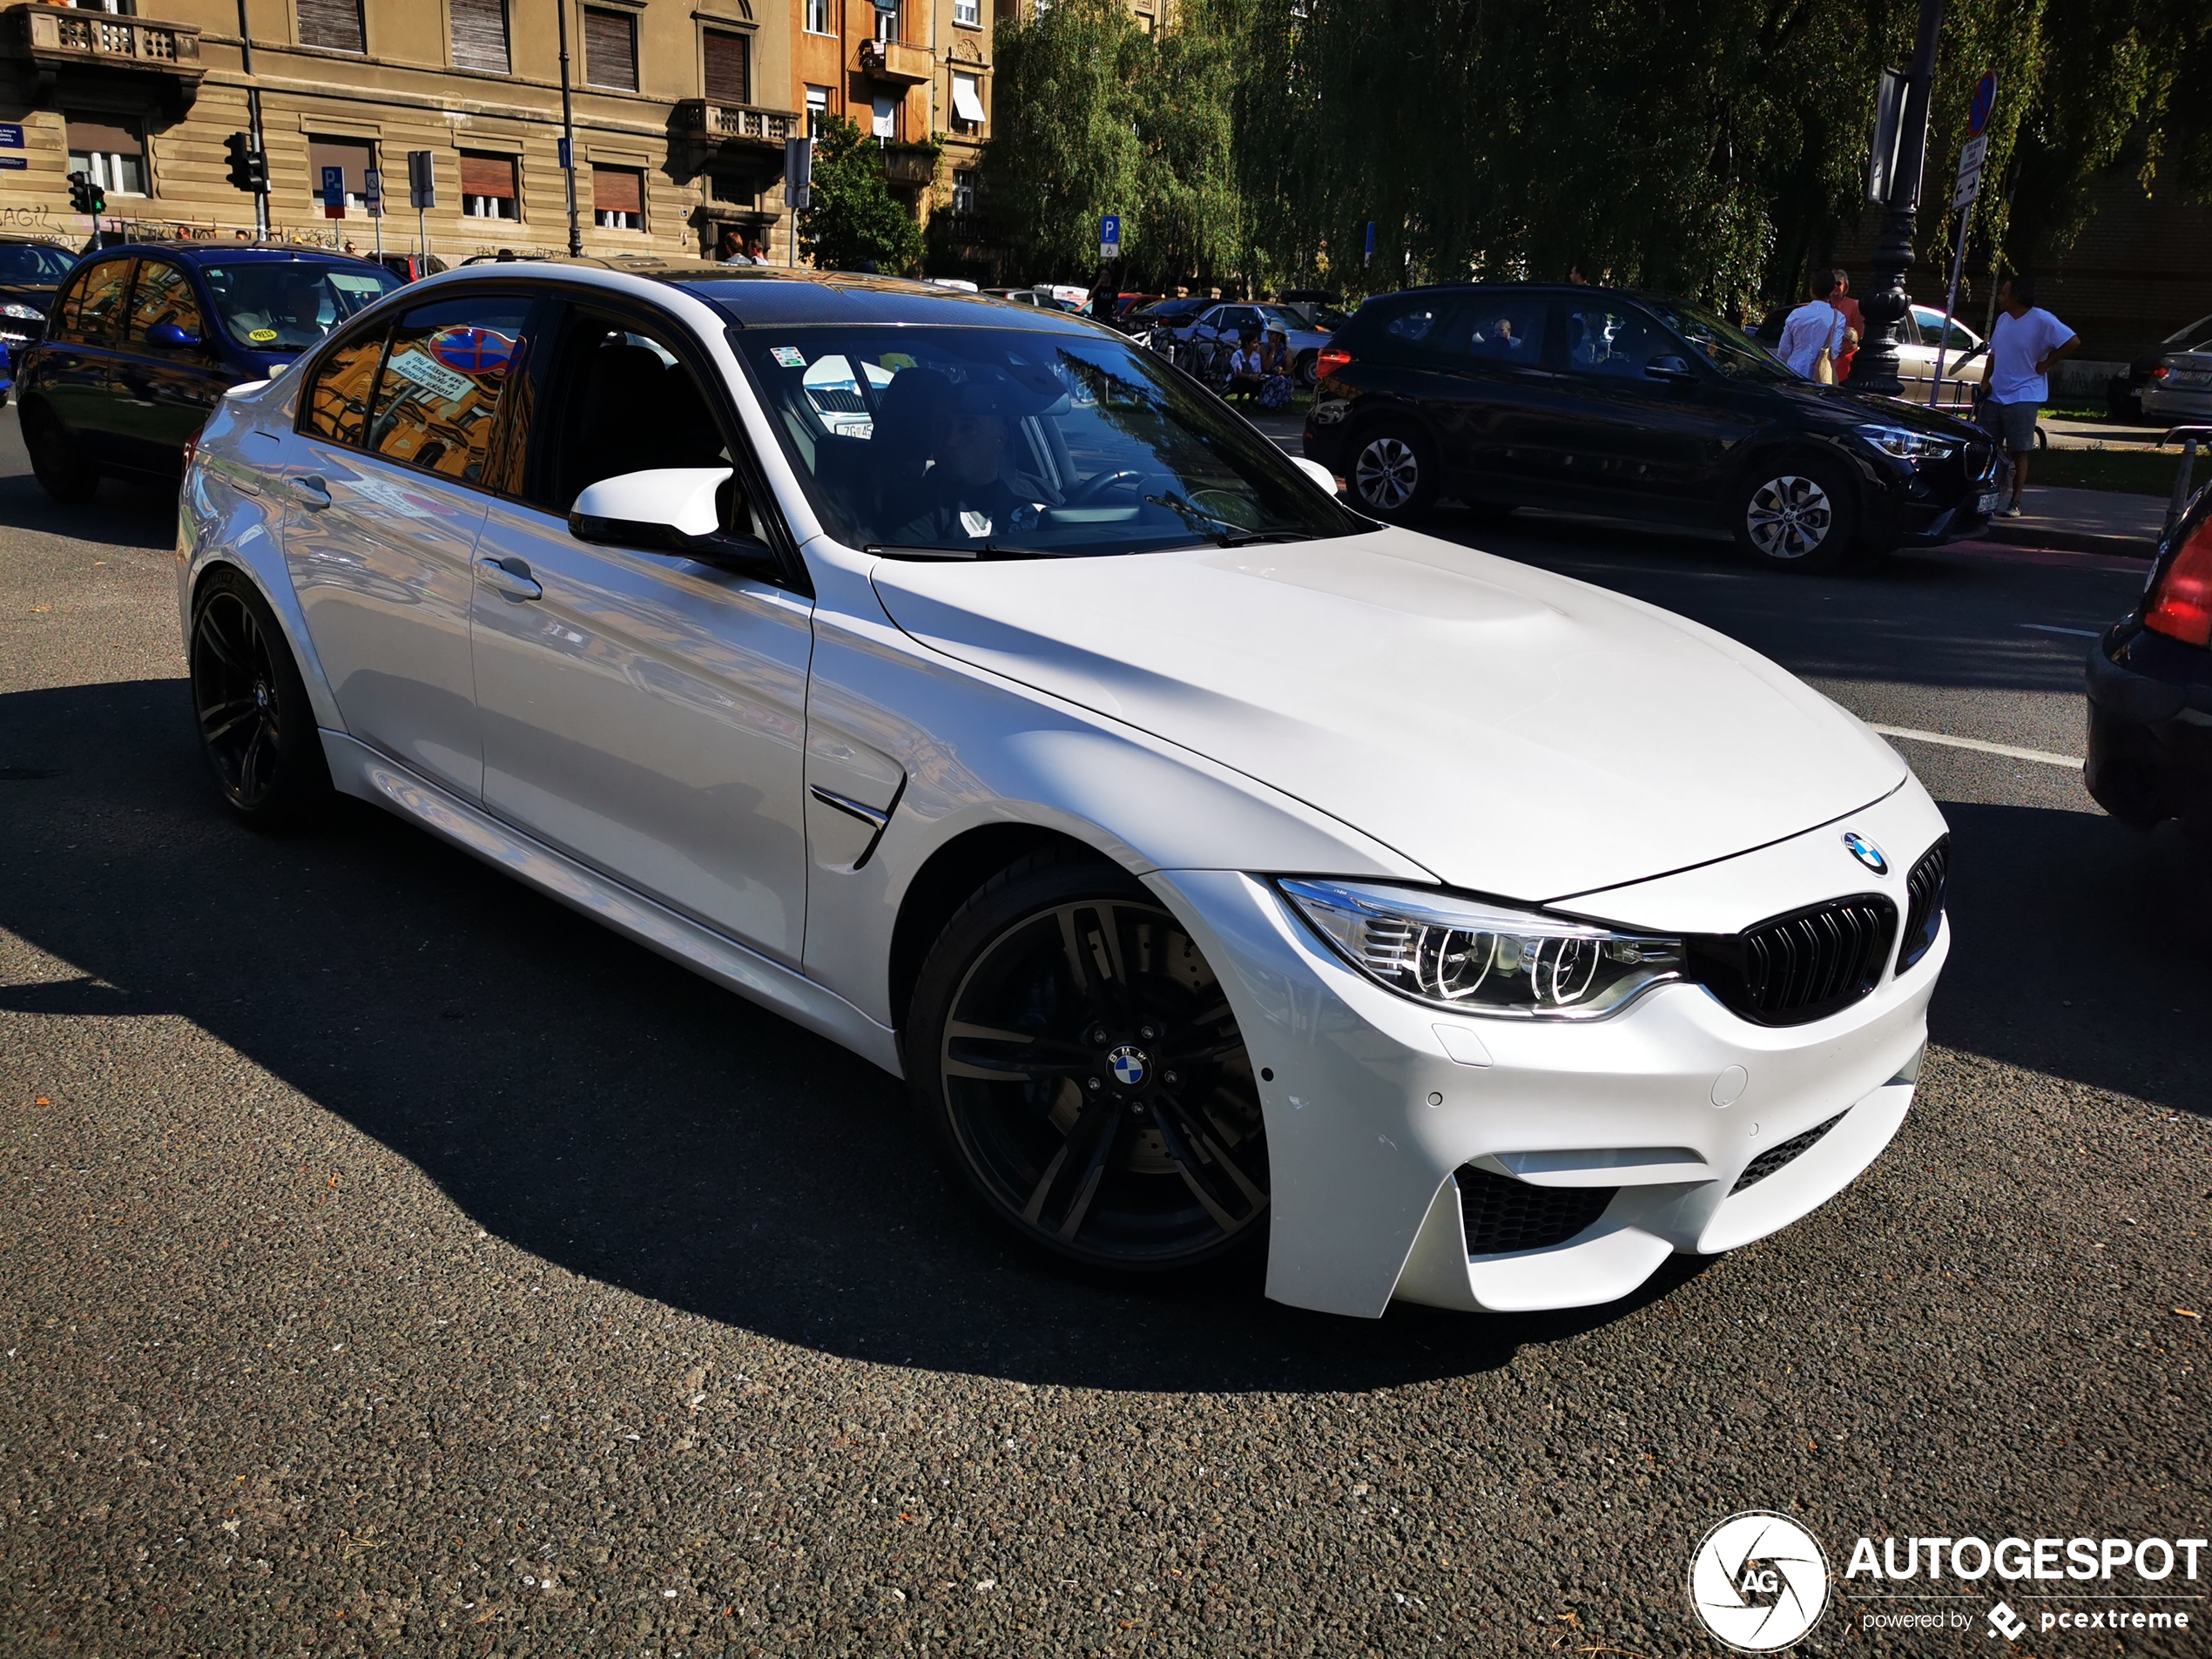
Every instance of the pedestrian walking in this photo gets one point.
(2024, 344)
(1814, 334)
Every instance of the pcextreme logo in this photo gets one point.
(1758, 1582)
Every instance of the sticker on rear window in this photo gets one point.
(788, 356)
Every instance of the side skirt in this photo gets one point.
(359, 771)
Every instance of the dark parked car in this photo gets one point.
(411, 267)
(143, 341)
(1633, 406)
(30, 272)
(2150, 690)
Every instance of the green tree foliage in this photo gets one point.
(853, 219)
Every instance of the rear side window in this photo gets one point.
(164, 294)
(338, 402)
(1508, 331)
(95, 301)
(436, 403)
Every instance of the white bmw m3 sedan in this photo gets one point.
(1223, 871)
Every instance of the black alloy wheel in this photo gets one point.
(256, 726)
(61, 473)
(1393, 473)
(1074, 1056)
(1797, 514)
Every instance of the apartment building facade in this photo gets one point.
(682, 108)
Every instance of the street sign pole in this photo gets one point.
(373, 201)
(1963, 196)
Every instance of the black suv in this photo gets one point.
(1633, 405)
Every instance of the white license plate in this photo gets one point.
(1989, 501)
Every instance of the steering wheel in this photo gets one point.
(1091, 492)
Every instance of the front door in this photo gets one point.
(397, 454)
(644, 713)
(77, 364)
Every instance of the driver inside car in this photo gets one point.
(962, 490)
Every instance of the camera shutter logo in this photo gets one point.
(1758, 1582)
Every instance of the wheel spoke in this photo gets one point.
(210, 635)
(216, 722)
(1190, 1147)
(249, 765)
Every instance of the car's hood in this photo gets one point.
(1838, 406)
(1515, 732)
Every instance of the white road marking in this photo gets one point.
(2052, 628)
(2006, 748)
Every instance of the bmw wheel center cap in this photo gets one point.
(1867, 853)
(1129, 1066)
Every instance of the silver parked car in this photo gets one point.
(1230, 323)
(2179, 384)
(1922, 337)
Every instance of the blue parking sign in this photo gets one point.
(1110, 237)
(333, 192)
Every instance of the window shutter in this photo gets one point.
(483, 175)
(617, 189)
(610, 49)
(729, 78)
(480, 35)
(334, 23)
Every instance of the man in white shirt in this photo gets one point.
(2022, 346)
(1812, 328)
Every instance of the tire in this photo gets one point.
(257, 728)
(1797, 514)
(64, 474)
(1307, 368)
(1393, 473)
(1076, 1064)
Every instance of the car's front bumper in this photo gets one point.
(1376, 1101)
(2150, 728)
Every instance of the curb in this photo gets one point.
(2126, 547)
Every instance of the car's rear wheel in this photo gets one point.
(1307, 368)
(62, 472)
(1798, 515)
(1073, 1054)
(1393, 473)
(256, 726)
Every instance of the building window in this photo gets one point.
(480, 36)
(817, 110)
(618, 198)
(967, 99)
(733, 188)
(886, 116)
(610, 49)
(968, 13)
(352, 157)
(886, 21)
(111, 154)
(818, 21)
(963, 190)
(488, 186)
(335, 24)
(727, 60)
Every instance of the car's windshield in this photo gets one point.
(999, 442)
(30, 262)
(289, 305)
(2197, 336)
(1726, 347)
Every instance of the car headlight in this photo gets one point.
(1473, 957)
(16, 308)
(1906, 444)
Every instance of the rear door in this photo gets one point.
(77, 363)
(400, 445)
(164, 393)
(1491, 388)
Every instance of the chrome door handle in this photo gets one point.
(313, 493)
(510, 579)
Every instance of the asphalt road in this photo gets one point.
(394, 1262)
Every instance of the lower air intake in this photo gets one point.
(1775, 1156)
(1503, 1214)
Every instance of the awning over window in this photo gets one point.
(617, 189)
(483, 175)
(968, 98)
(102, 139)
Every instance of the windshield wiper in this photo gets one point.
(985, 551)
(1233, 534)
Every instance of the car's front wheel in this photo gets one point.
(1798, 515)
(1073, 1054)
(62, 472)
(257, 728)
(1394, 473)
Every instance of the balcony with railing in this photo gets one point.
(893, 63)
(59, 40)
(718, 125)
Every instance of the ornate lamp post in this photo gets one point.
(1884, 307)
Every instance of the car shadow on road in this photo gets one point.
(625, 1120)
(120, 515)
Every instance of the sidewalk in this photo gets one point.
(2084, 521)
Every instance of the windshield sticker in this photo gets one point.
(975, 523)
(431, 377)
(354, 284)
(896, 360)
(788, 356)
(262, 334)
(473, 350)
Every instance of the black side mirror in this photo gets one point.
(1671, 369)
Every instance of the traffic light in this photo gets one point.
(249, 168)
(85, 195)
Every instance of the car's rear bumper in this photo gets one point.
(2150, 728)
(2165, 402)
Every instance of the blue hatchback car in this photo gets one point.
(142, 341)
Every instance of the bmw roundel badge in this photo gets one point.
(1867, 853)
(1127, 1066)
